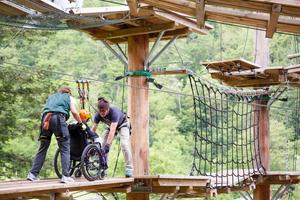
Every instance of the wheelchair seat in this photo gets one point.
(78, 141)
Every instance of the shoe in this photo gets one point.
(66, 179)
(128, 173)
(32, 177)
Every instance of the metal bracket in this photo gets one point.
(149, 62)
(141, 187)
(246, 196)
(280, 191)
(121, 56)
(162, 197)
(146, 67)
(281, 89)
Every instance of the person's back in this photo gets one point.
(58, 102)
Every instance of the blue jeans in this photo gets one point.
(58, 126)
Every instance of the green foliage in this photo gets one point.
(44, 60)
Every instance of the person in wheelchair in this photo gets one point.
(80, 137)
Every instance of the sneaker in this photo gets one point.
(128, 173)
(66, 179)
(32, 177)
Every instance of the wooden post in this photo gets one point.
(262, 191)
(138, 107)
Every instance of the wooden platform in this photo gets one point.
(174, 17)
(181, 185)
(279, 177)
(13, 189)
(233, 65)
(241, 73)
(172, 186)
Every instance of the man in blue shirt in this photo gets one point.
(117, 123)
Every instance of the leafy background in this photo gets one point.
(34, 63)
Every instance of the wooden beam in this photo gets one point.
(272, 23)
(138, 109)
(165, 5)
(200, 13)
(152, 36)
(42, 6)
(255, 6)
(293, 3)
(170, 72)
(241, 4)
(133, 31)
(101, 11)
(132, 4)
(293, 56)
(181, 20)
(12, 9)
(227, 15)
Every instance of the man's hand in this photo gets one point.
(106, 148)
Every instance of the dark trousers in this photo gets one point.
(59, 127)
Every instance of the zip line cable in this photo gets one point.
(13, 38)
(244, 48)
(221, 43)
(120, 84)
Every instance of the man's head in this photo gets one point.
(103, 106)
(64, 89)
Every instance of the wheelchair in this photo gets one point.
(86, 157)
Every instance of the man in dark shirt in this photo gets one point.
(55, 114)
(117, 123)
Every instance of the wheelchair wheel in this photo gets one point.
(57, 164)
(78, 173)
(90, 162)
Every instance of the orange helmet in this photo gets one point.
(84, 115)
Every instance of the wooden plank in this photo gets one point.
(290, 11)
(138, 109)
(171, 6)
(293, 3)
(153, 36)
(241, 4)
(43, 6)
(132, 4)
(230, 16)
(255, 6)
(170, 72)
(11, 9)
(27, 189)
(231, 65)
(181, 20)
(293, 56)
(200, 13)
(181, 182)
(272, 23)
(101, 11)
(233, 81)
(133, 31)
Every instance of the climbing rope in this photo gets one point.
(83, 91)
(226, 137)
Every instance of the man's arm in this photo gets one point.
(73, 110)
(111, 134)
